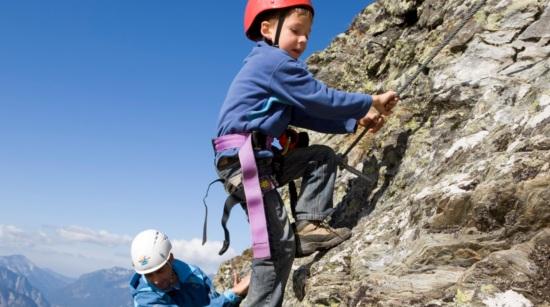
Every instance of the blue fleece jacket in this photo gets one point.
(304, 101)
(193, 289)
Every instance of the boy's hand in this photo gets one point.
(384, 103)
(240, 287)
(372, 121)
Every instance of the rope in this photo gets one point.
(421, 68)
(445, 42)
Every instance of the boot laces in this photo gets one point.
(324, 224)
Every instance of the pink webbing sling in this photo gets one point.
(252, 190)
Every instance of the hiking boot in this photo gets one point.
(312, 236)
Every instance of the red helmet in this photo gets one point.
(256, 7)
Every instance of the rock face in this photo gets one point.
(459, 214)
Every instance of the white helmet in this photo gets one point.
(150, 251)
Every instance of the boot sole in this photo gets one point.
(306, 249)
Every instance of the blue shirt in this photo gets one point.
(304, 101)
(194, 288)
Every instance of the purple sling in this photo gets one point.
(252, 190)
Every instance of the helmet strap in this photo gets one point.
(282, 18)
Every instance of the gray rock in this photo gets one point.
(459, 212)
(538, 29)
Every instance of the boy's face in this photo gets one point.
(294, 34)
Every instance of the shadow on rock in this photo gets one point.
(354, 205)
(301, 274)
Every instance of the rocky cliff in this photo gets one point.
(459, 211)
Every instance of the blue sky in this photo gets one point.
(107, 109)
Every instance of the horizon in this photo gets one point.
(62, 275)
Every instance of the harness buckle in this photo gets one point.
(259, 141)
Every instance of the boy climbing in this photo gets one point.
(273, 90)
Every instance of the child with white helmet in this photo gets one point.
(272, 90)
(161, 280)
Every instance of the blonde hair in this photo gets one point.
(272, 15)
(300, 10)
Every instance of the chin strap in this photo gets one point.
(282, 18)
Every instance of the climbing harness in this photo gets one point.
(251, 179)
(252, 186)
(342, 158)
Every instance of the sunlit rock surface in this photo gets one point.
(460, 211)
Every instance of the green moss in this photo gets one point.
(489, 289)
(493, 21)
(368, 87)
(480, 17)
(412, 125)
(463, 298)
(535, 105)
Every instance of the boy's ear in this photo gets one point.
(266, 30)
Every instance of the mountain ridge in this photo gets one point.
(22, 285)
(16, 290)
(45, 280)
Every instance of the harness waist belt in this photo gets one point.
(252, 189)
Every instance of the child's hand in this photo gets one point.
(372, 121)
(384, 103)
(240, 286)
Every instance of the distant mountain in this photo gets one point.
(17, 291)
(109, 288)
(23, 284)
(45, 280)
